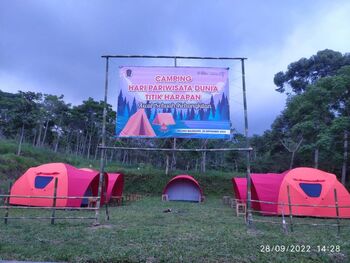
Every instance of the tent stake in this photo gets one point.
(337, 210)
(54, 202)
(290, 210)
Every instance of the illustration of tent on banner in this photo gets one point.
(307, 186)
(164, 119)
(40, 180)
(138, 125)
(115, 184)
(183, 188)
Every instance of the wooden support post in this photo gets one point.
(284, 225)
(7, 203)
(290, 210)
(337, 209)
(103, 149)
(54, 202)
(105, 196)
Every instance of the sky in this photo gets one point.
(55, 46)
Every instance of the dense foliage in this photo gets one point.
(47, 121)
(305, 71)
(313, 128)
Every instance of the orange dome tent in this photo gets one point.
(39, 181)
(311, 189)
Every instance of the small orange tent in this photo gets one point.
(39, 181)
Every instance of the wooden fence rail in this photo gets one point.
(53, 208)
(292, 216)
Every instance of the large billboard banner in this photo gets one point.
(173, 102)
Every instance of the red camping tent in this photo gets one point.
(115, 185)
(264, 187)
(39, 181)
(164, 119)
(138, 125)
(183, 188)
(307, 186)
(240, 188)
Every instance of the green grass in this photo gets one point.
(141, 232)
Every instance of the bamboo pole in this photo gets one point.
(290, 210)
(176, 149)
(54, 202)
(49, 217)
(249, 215)
(173, 57)
(49, 207)
(106, 202)
(284, 225)
(48, 197)
(103, 145)
(337, 210)
(7, 204)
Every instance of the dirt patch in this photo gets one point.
(101, 226)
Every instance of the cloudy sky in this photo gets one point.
(55, 46)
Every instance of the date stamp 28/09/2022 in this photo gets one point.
(298, 248)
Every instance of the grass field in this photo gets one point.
(141, 232)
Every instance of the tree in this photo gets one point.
(305, 71)
(25, 113)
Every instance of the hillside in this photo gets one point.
(144, 179)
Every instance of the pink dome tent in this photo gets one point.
(183, 188)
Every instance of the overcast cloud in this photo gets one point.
(55, 46)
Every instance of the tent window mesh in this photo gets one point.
(42, 181)
(311, 190)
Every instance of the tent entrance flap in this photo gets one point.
(183, 191)
(85, 200)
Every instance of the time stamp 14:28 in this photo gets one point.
(299, 248)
